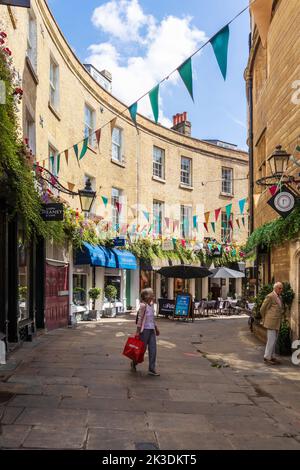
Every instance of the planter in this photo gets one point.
(260, 332)
(92, 315)
(110, 312)
(283, 345)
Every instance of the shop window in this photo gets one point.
(226, 230)
(185, 221)
(148, 279)
(164, 287)
(181, 285)
(113, 281)
(79, 289)
(24, 270)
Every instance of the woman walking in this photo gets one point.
(147, 329)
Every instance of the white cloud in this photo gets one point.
(164, 46)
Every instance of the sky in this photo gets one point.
(142, 41)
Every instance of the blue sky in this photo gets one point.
(141, 41)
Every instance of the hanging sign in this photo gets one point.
(283, 202)
(16, 3)
(52, 212)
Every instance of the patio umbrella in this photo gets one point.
(225, 273)
(183, 271)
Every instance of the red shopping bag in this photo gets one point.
(134, 349)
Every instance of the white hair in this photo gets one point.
(277, 284)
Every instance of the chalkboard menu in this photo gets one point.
(166, 307)
(183, 306)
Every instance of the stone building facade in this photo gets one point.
(273, 75)
(141, 169)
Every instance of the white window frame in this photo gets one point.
(158, 217)
(158, 162)
(185, 214)
(116, 196)
(32, 39)
(54, 84)
(117, 145)
(227, 183)
(89, 125)
(186, 175)
(30, 131)
(54, 153)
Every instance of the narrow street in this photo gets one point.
(72, 389)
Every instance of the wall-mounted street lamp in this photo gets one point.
(87, 196)
(279, 161)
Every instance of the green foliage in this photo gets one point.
(287, 294)
(110, 292)
(23, 293)
(284, 339)
(276, 232)
(260, 297)
(94, 293)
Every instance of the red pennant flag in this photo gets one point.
(231, 224)
(205, 225)
(67, 156)
(167, 220)
(98, 135)
(183, 243)
(238, 223)
(273, 189)
(217, 213)
(119, 207)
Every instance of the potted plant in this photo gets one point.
(77, 291)
(94, 294)
(283, 345)
(110, 294)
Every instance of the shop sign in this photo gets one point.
(283, 202)
(183, 305)
(16, 3)
(119, 241)
(166, 307)
(52, 212)
(167, 245)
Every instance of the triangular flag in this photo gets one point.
(58, 164)
(151, 227)
(231, 224)
(206, 216)
(98, 136)
(67, 156)
(205, 225)
(195, 221)
(228, 210)
(113, 124)
(105, 200)
(220, 46)
(167, 220)
(133, 110)
(242, 203)
(147, 215)
(243, 220)
(176, 224)
(185, 71)
(174, 240)
(183, 243)
(153, 95)
(217, 213)
(213, 225)
(75, 147)
(273, 189)
(119, 207)
(84, 148)
(256, 198)
(238, 223)
(262, 12)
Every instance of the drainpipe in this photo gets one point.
(251, 164)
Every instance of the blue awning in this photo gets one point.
(106, 257)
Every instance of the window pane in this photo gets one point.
(185, 221)
(227, 180)
(157, 217)
(158, 162)
(186, 171)
(116, 144)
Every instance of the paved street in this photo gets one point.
(72, 389)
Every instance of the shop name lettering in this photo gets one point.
(52, 212)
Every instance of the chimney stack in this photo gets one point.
(181, 124)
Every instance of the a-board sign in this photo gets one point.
(183, 306)
(52, 212)
(166, 307)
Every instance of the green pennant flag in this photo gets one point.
(224, 225)
(174, 240)
(133, 110)
(220, 46)
(75, 147)
(153, 95)
(58, 164)
(84, 148)
(213, 224)
(243, 220)
(105, 200)
(185, 71)
(228, 210)
(242, 203)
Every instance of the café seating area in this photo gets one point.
(227, 307)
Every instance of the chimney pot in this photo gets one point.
(185, 116)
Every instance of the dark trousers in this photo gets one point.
(149, 338)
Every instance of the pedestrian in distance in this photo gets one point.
(272, 311)
(146, 329)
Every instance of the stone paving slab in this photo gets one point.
(48, 437)
(185, 422)
(250, 442)
(193, 441)
(128, 420)
(48, 417)
(13, 436)
(102, 439)
(9, 414)
(35, 401)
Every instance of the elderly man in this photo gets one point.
(271, 312)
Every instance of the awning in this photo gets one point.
(106, 257)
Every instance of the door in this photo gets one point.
(56, 296)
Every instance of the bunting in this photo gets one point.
(147, 215)
(167, 220)
(213, 226)
(243, 220)
(153, 96)
(217, 213)
(176, 224)
(75, 147)
(205, 226)
(206, 216)
(231, 224)
(185, 71)
(220, 46)
(273, 189)
(105, 200)
(256, 198)
(67, 156)
(84, 148)
(242, 203)
(58, 164)
(261, 11)
(228, 210)
(238, 223)
(119, 206)
(195, 222)
(132, 111)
